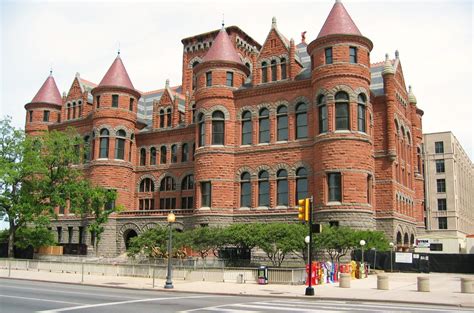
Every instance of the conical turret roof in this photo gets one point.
(117, 76)
(48, 93)
(339, 22)
(222, 49)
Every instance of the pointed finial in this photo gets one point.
(118, 49)
(51, 70)
(78, 74)
(303, 37)
(274, 22)
(386, 57)
(338, 1)
(411, 95)
(223, 21)
(396, 54)
(388, 68)
(167, 84)
(64, 94)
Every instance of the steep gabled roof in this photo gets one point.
(117, 76)
(222, 49)
(339, 22)
(48, 93)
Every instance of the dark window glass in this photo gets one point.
(328, 55)
(436, 246)
(333, 223)
(147, 185)
(361, 108)
(60, 234)
(301, 183)
(301, 121)
(187, 203)
(187, 183)
(342, 111)
(263, 189)
(167, 184)
(174, 154)
(442, 205)
(162, 118)
(193, 111)
(264, 72)
(323, 114)
(282, 123)
(153, 156)
(120, 144)
(45, 116)
(442, 223)
(283, 68)
(115, 101)
(104, 144)
(209, 79)
(230, 79)
(246, 128)
(440, 166)
(31, 116)
(87, 148)
(334, 187)
(441, 185)
(439, 147)
(168, 118)
(184, 152)
(264, 126)
(274, 70)
(163, 153)
(352, 54)
(97, 101)
(202, 130)
(282, 188)
(245, 190)
(218, 128)
(142, 156)
(130, 107)
(206, 194)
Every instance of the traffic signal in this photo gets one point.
(303, 209)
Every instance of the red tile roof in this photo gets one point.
(48, 93)
(222, 49)
(339, 22)
(117, 76)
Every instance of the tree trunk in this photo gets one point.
(11, 238)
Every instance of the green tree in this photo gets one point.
(244, 236)
(204, 240)
(151, 243)
(335, 241)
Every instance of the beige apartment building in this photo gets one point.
(449, 195)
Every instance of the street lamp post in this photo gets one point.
(362, 244)
(306, 239)
(375, 256)
(391, 256)
(169, 283)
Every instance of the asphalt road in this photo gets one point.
(18, 296)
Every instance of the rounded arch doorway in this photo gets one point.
(128, 235)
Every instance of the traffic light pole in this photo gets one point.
(310, 289)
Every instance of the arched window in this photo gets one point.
(132, 136)
(87, 148)
(342, 111)
(264, 126)
(194, 75)
(282, 123)
(361, 112)
(274, 70)
(218, 128)
(147, 185)
(167, 184)
(74, 110)
(245, 190)
(201, 130)
(405, 240)
(187, 183)
(163, 155)
(263, 189)
(301, 184)
(193, 151)
(120, 144)
(246, 128)
(282, 188)
(142, 156)
(153, 156)
(399, 238)
(264, 72)
(184, 152)
(418, 159)
(68, 111)
(283, 68)
(174, 153)
(162, 118)
(301, 121)
(168, 117)
(193, 112)
(323, 114)
(104, 144)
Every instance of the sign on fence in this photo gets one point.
(403, 257)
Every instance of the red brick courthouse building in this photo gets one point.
(251, 129)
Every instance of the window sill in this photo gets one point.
(262, 208)
(342, 131)
(263, 144)
(244, 208)
(281, 207)
(281, 141)
(246, 145)
(334, 203)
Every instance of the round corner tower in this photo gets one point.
(220, 73)
(114, 120)
(343, 151)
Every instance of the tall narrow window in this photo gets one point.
(323, 114)
(130, 106)
(194, 75)
(264, 72)
(301, 184)
(146, 185)
(361, 112)
(68, 111)
(163, 155)
(218, 128)
(79, 108)
(74, 110)
(282, 123)
(206, 195)
(342, 111)
(162, 118)
(442, 205)
(274, 70)
(439, 147)
(142, 156)
(115, 99)
(188, 182)
(328, 55)
(264, 126)
(283, 68)
(301, 121)
(441, 185)
(168, 117)
(229, 79)
(174, 153)
(132, 136)
(209, 79)
(369, 189)
(167, 184)
(282, 188)
(440, 166)
(31, 116)
(246, 128)
(104, 144)
(201, 130)
(120, 144)
(334, 187)
(185, 153)
(193, 112)
(153, 156)
(263, 189)
(45, 116)
(442, 223)
(87, 149)
(245, 190)
(352, 54)
(97, 101)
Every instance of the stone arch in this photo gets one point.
(321, 91)
(283, 166)
(399, 240)
(364, 91)
(267, 168)
(191, 62)
(153, 178)
(279, 103)
(268, 106)
(184, 174)
(203, 111)
(120, 127)
(251, 109)
(165, 174)
(347, 89)
(412, 239)
(149, 226)
(129, 226)
(243, 169)
(218, 107)
(406, 240)
(98, 128)
(299, 164)
(295, 101)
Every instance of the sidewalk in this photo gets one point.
(445, 288)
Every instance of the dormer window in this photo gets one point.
(283, 68)
(274, 70)
(328, 55)
(230, 79)
(264, 72)
(46, 116)
(209, 79)
(352, 55)
(31, 116)
(115, 101)
(97, 100)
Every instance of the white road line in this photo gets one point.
(38, 299)
(213, 308)
(88, 306)
(277, 308)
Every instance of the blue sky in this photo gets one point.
(434, 39)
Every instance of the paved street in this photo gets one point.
(18, 296)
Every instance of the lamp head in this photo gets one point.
(306, 239)
(362, 242)
(391, 244)
(171, 218)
